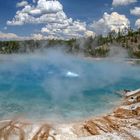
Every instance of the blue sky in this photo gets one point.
(87, 11)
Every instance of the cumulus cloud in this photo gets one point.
(137, 24)
(38, 36)
(122, 2)
(135, 11)
(42, 12)
(22, 3)
(68, 29)
(110, 22)
(51, 13)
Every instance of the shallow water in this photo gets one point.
(58, 87)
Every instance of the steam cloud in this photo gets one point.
(56, 78)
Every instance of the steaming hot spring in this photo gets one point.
(58, 87)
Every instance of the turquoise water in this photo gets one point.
(60, 87)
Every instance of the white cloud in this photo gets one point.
(110, 22)
(22, 3)
(137, 24)
(38, 37)
(5, 36)
(135, 11)
(49, 6)
(43, 12)
(34, 1)
(58, 25)
(13, 36)
(68, 29)
(5, 28)
(122, 2)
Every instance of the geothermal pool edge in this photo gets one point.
(122, 124)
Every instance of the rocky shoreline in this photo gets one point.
(122, 124)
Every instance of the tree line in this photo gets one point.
(99, 46)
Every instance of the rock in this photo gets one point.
(138, 111)
(91, 127)
(123, 113)
(132, 99)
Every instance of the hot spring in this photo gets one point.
(60, 87)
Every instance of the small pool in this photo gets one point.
(58, 87)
